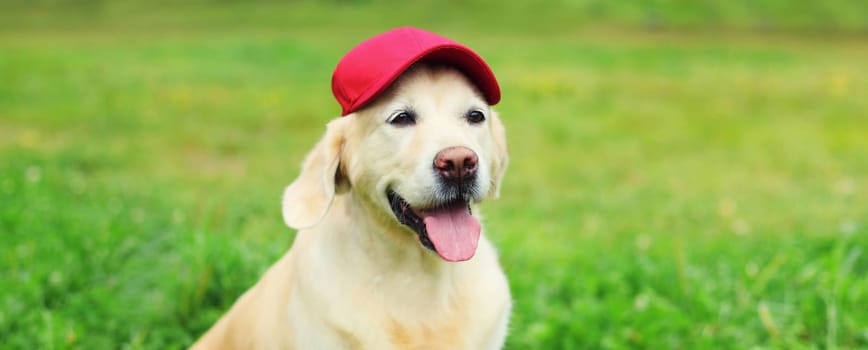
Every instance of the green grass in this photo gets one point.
(668, 189)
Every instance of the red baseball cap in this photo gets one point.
(370, 67)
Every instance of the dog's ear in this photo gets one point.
(308, 198)
(501, 155)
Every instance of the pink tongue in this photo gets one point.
(454, 232)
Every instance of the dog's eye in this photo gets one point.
(475, 117)
(402, 119)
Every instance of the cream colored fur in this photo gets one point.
(355, 277)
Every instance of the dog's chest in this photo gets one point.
(447, 335)
(361, 306)
(459, 326)
(375, 316)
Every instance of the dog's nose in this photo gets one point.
(456, 163)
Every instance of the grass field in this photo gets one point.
(669, 188)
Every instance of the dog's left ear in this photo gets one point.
(501, 155)
(309, 197)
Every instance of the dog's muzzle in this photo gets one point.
(446, 226)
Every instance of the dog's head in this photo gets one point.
(419, 155)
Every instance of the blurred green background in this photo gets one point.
(685, 174)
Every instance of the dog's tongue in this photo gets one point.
(453, 231)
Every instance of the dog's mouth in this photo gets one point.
(449, 229)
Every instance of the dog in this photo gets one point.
(389, 252)
(360, 274)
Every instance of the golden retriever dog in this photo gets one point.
(389, 252)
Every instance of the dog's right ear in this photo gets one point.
(308, 198)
